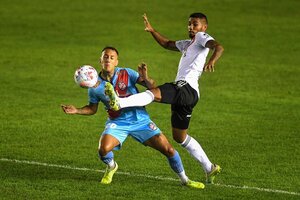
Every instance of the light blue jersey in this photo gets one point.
(133, 121)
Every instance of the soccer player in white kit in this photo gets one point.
(183, 94)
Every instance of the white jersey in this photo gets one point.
(193, 59)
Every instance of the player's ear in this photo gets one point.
(100, 59)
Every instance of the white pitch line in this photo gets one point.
(145, 175)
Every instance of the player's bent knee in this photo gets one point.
(171, 151)
(160, 143)
(157, 94)
(178, 139)
(104, 149)
(168, 151)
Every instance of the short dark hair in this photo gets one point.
(110, 47)
(200, 16)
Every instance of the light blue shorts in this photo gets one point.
(139, 130)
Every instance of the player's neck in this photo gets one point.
(107, 75)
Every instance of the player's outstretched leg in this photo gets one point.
(215, 170)
(108, 175)
(113, 97)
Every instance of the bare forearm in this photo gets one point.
(85, 110)
(217, 52)
(150, 83)
(160, 39)
(163, 41)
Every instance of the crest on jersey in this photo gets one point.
(121, 85)
(152, 126)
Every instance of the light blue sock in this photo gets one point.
(175, 163)
(108, 159)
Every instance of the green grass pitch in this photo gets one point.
(247, 119)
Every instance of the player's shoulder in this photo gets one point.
(100, 86)
(124, 69)
(203, 35)
(126, 73)
(182, 41)
(129, 72)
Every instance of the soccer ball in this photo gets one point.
(86, 76)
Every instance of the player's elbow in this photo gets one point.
(168, 44)
(104, 149)
(220, 48)
(93, 111)
(168, 151)
(92, 108)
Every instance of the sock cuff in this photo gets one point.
(108, 155)
(176, 163)
(150, 93)
(107, 158)
(186, 141)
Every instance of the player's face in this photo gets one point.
(196, 25)
(109, 59)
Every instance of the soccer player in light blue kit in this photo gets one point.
(134, 121)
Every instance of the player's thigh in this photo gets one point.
(113, 136)
(186, 96)
(181, 116)
(168, 93)
(107, 142)
(161, 143)
(143, 130)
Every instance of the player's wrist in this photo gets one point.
(151, 30)
(79, 111)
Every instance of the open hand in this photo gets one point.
(148, 26)
(209, 67)
(142, 69)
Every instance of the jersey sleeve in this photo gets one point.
(202, 38)
(182, 44)
(92, 96)
(133, 75)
